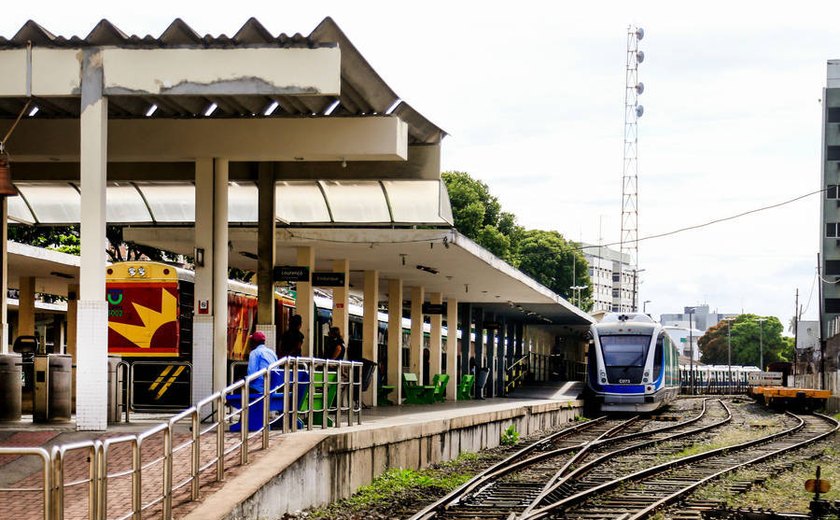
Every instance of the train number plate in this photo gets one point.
(624, 381)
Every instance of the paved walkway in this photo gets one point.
(21, 479)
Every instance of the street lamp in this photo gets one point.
(644, 306)
(761, 342)
(578, 288)
(691, 347)
(729, 348)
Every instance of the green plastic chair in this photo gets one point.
(382, 395)
(319, 407)
(465, 387)
(416, 393)
(439, 382)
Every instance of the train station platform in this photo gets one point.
(306, 468)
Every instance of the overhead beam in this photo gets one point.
(382, 138)
(192, 72)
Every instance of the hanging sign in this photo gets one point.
(291, 273)
(434, 308)
(328, 279)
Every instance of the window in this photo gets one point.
(832, 153)
(832, 305)
(831, 191)
(624, 351)
(834, 115)
(659, 356)
(832, 267)
(616, 277)
(831, 229)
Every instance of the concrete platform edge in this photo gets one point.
(314, 468)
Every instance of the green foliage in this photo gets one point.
(749, 338)
(59, 238)
(510, 436)
(543, 255)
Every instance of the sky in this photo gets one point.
(532, 97)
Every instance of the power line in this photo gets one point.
(716, 221)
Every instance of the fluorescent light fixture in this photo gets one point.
(152, 110)
(212, 108)
(393, 107)
(271, 108)
(34, 111)
(332, 107)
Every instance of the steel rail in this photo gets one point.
(681, 462)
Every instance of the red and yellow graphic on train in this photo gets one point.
(142, 309)
(242, 317)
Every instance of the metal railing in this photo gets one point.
(515, 374)
(328, 392)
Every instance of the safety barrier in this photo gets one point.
(515, 374)
(156, 478)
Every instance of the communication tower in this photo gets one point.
(630, 178)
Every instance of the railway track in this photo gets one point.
(539, 474)
(640, 494)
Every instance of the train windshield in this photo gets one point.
(624, 351)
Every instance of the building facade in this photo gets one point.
(830, 206)
(614, 279)
(702, 318)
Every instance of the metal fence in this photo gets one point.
(128, 476)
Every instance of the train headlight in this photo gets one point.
(644, 380)
(647, 374)
(603, 380)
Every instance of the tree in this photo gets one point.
(479, 216)
(749, 339)
(549, 259)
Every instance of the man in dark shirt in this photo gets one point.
(291, 342)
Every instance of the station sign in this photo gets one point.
(434, 308)
(492, 325)
(328, 279)
(291, 273)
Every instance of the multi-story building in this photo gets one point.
(614, 284)
(701, 318)
(830, 243)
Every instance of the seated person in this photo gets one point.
(261, 357)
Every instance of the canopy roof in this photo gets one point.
(345, 202)
(363, 92)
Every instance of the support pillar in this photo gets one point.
(26, 308)
(370, 332)
(72, 314)
(395, 301)
(435, 337)
(92, 390)
(480, 361)
(492, 361)
(452, 348)
(416, 340)
(340, 317)
(4, 275)
(305, 301)
(204, 307)
(501, 359)
(265, 255)
(466, 331)
(220, 273)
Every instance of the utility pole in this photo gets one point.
(822, 326)
(691, 347)
(761, 342)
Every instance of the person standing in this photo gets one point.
(291, 343)
(335, 344)
(261, 357)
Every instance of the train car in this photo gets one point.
(718, 379)
(633, 364)
(150, 326)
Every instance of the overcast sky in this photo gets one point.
(532, 95)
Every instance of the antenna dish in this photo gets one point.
(640, 34)
(640, 88)
(640, 110)
(640, 56)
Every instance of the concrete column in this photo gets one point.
(341, 314)
(501, 360)
(395, 301)
(304, 304)
(492, 361)
(265, 255)
(220, 273)
(204, 307)
(26, 307)
(435, 337)
(452, 348)
(92, 360)
(480, 361)
(4, 276)
(466, 330)
(72, 314)
(416, 341)
(370, 332)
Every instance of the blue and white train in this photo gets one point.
(633, 366)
